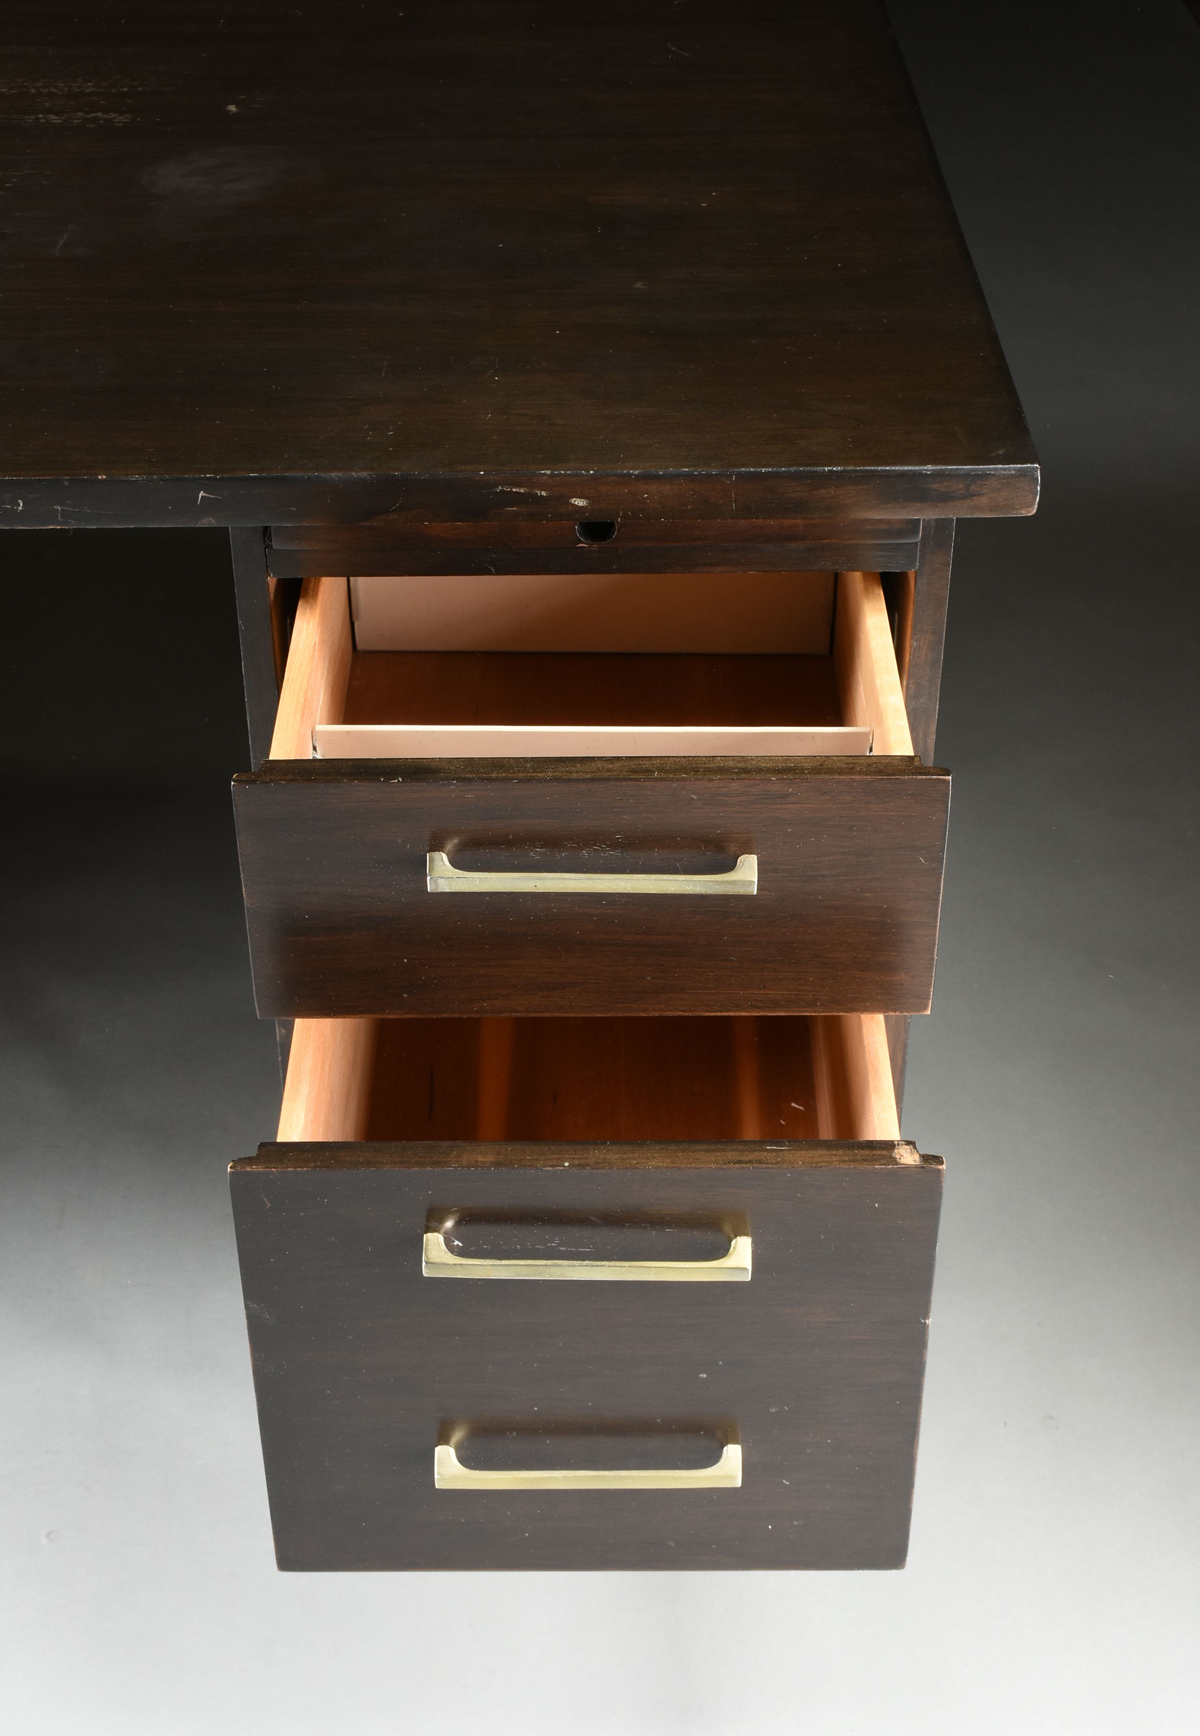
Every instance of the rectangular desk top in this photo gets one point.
(471, 259)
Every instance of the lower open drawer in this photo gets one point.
(690, 1264)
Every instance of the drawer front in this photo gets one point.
(592, 541)
(812, 1368)
(341, 921)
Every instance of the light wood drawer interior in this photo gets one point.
(590, 1080)
(743, 664)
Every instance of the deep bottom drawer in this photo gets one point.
(681, 1300)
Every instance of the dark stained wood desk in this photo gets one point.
(491, 289)
(269, 264)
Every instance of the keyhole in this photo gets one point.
(596, 530)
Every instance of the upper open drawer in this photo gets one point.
(779, 664)
(635, 816)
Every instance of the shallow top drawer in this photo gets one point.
(592, 542)
(696, 796)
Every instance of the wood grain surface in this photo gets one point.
(261, 666)
(864, 656)
(727, 612)
(485, 260)
(641, 543)
(615, 1080)
(318, 667)
(927, 634)
(547, 687)
(362, 1365)
(845, 919)
(327, 1090)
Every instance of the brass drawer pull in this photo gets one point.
(448, 1473)
(741, 881)
(734, 1267)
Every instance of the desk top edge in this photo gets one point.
(476, 244)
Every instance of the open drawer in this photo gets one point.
(693, 822)
(690, 1267)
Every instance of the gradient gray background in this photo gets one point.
(1052, 1585)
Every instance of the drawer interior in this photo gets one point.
(595, 1079)
(596, 612)
(736, 663)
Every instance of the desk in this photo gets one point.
(647, 296)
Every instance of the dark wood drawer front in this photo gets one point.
(363, 1365)
(844, 920)
(592, 541)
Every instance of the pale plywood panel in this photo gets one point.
(865, 660)
(852, 1072)
(317, 668)
(732, 612)
(327, 1093)
(330, 1077)
(488, 741)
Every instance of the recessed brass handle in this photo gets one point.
(741, 881)
(448, 1473)
(734, 1267)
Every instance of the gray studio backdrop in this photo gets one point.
(1053, 1578)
